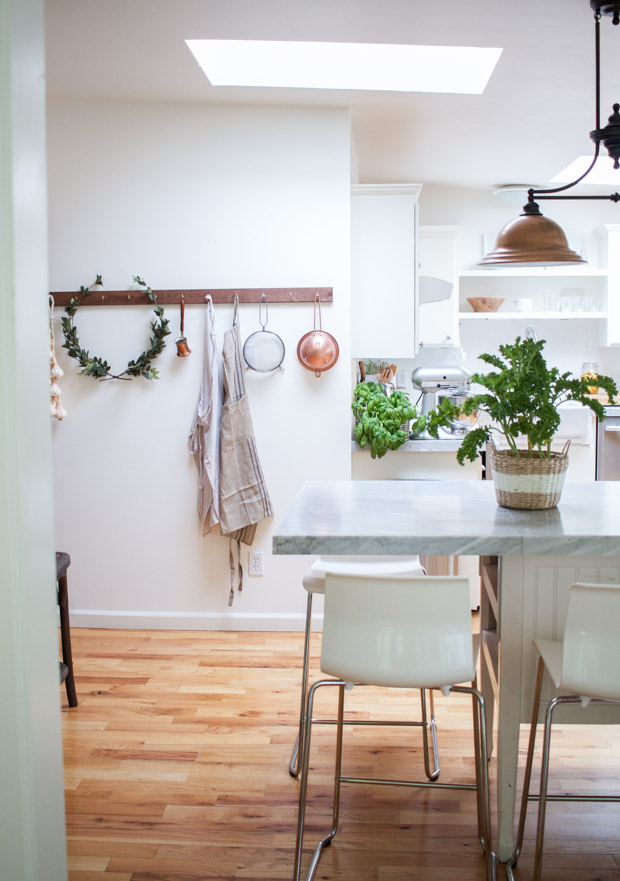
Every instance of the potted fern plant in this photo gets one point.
(521, 396)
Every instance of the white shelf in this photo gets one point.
(549, 272)
(528, 316)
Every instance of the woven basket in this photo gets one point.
(531, 484)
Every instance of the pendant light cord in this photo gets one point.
(533, 194)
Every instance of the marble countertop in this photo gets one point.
(446, 517)
(420, 445)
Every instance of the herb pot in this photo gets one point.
(528, 483)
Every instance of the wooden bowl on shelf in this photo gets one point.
(485, 304)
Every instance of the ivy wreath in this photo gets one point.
(98, 367)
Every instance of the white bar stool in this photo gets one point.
(314, 583)
(586, 663)
(397, 632)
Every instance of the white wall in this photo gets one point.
(32, 827)
(191, 197)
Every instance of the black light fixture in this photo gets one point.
(532, 239)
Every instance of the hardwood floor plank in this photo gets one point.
(88, 847)
(176, 769)
(91, 863)
(86, 875)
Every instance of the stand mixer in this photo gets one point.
(439, 381)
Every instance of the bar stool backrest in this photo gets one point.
(406, 632)
(591, 652)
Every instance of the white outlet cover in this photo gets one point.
(255, 563)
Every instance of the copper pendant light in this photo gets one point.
(532, 239)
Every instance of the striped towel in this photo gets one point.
(244, 499)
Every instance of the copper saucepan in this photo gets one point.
(317, 350)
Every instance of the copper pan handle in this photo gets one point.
(317, 300)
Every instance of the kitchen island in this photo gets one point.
(531, 557)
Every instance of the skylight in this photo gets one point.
(603, 172)
(364, 66)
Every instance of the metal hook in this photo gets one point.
(260, 303)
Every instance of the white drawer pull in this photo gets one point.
(612, 428)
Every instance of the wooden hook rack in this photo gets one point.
(195, 296)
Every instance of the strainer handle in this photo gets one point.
(260, 318)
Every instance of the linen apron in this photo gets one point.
(204, 437)
(244, 499)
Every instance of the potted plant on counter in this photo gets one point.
(382, 420)
(521, 397)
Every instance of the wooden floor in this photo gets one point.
(176, 769)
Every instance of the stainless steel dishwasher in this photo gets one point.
(608, 445)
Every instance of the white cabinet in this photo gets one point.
(437, 319)
(610, 247)
(384, 221)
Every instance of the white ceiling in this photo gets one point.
(533, 119)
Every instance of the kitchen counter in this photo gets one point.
(540, 554)
(446, 517)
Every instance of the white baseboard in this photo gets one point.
(190, 620)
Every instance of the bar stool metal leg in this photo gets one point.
(481, 786)
(303, 791)
(528, 771)
(295, 763)
(431, 773)
(482, 776)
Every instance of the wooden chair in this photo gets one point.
(63, 561)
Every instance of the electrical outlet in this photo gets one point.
(255, 564)
(401, 379)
